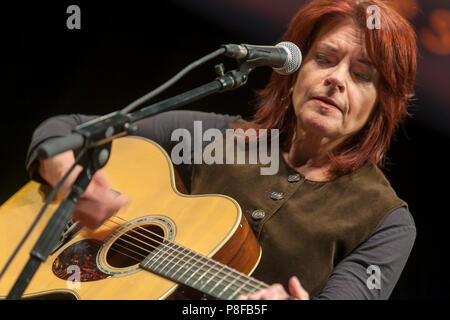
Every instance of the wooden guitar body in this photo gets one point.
(107, 260)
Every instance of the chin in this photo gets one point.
(321, 125)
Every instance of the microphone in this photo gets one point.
(284, 58)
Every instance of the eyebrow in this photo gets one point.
(336, 50)
(327, 46)
(366, 62)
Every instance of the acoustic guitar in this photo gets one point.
(161, 240)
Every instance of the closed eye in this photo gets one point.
(321, 59)
(363, 77)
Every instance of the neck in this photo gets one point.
(308, 154)
(182, 265)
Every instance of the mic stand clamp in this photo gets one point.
(235, 78)
(93, 159)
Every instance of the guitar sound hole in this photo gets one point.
(133, 246)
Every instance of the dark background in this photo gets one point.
(125, 50)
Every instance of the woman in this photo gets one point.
(329, 216)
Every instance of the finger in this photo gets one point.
(106, 195)
(93, 212)
(258, 295)
(121, 202)
(296, 289)
(274, 292)
(66, 187)
(101, 178)
(279, 292)
(97, 187)
(90, 213)
(242, 297)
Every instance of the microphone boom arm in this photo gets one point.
(95, 137)
(117, 124)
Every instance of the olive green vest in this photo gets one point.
(305, 228)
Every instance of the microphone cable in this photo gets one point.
(127, 109)
(172, 80)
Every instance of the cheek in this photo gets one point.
(361, 105)
(299, 89)
(307, 78)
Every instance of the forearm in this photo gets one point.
(372, 270)
(53, 127)
(158, 128)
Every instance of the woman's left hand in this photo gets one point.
(277, 292)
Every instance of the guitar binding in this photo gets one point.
(129, 245)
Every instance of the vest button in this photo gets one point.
(276, 195)
(258, 214)
(293, 178)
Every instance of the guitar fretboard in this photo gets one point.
(185, 266)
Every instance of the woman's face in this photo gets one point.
(335, 90)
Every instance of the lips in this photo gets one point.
(327, 103)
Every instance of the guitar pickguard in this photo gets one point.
(80, 256)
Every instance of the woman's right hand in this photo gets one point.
(97, 204)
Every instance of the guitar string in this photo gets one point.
(243, 288)
(240, 289)
(247, 283)
(262, 284)
(183, 248)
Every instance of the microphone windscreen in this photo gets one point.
(294, 59)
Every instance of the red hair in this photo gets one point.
(392, 50)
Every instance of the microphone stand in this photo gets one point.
(92, 160)
(95, 138)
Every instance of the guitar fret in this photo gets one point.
(246, 291)
(233, 289)
(184, 266)
(160, 252)
(234, 292)
(199, 280)
(228, 285)
(220, 284)
(252, 283)
(225, 287)
(151, 257)
(199, 272)
(157, 257)
(198, 265)
(233, 275)
(172, 261)
(206, 283)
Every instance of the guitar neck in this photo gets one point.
(185, 266)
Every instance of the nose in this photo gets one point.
(336, 79)
(335, 83)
